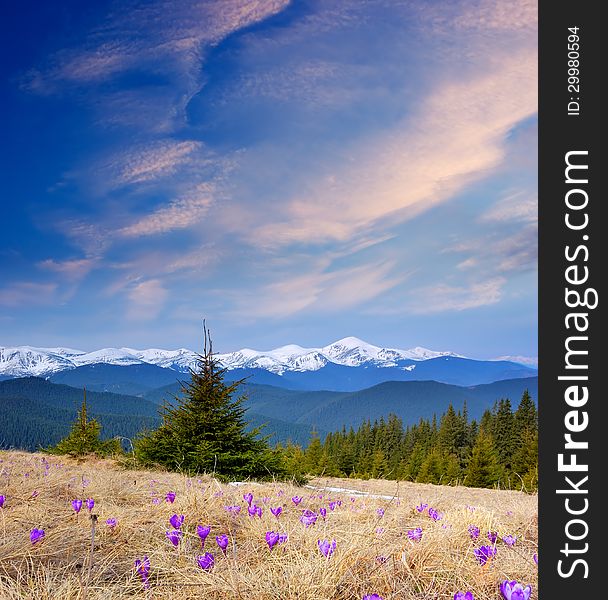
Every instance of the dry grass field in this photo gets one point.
(81, 556)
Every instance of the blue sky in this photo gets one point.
(294, 172)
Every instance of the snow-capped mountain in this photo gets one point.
(42, 362)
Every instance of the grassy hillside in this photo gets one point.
(78, 557)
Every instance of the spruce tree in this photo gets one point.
(84, 437)
(204, 431)
(483, 469)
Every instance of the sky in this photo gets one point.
(292, 172)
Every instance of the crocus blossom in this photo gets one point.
(323, 512)
(111, 523)
(415, 534)
(203, 531)
(484, 553)
(326, 547)
(2, 500)
(509, 540)
(463, 596)
(276, 511)
(205, 561)
(143, 568)
(372, 597)
(170, 497)
(473, 532)
(436, 516)
(36, 535)
(90, 504)
(420, 508)
(380, 512)
(174, 536)
(248, 497)
(296, 499)
(222, 542)
(308, 518)
(176, 521)
(512, 590)
(76, 505)
(272, 539)
(492, 536)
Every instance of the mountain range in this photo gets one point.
(346, 365)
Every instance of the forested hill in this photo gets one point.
(35, 412)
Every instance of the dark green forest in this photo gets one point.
(499, 450)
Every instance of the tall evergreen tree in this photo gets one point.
(483, 469)
(204, 432)
(84, 437)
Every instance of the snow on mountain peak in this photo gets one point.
(349, 351)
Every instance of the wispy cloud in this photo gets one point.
(178, 214)
(71, 270)
(519, 206)
(26, 293)
(159, 160)
(457, 138)
(446, 298)
(146, 300)
(321, 290)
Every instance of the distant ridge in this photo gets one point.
(289, 362)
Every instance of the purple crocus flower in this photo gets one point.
(176, 521)
(90, 504)
(174, 536)
(492, 536)
(323, 512)
(282, 538)
(463, 596)
(332, 506)
(380, 512)
(222, 542)
(420, 508)
(76, 505)
(272, 539)
(512, 590)
(473, 532)
(509, 540)
(111, 523)
(205, 561)
(326, 547)
(308, 518)
(436, 516)
(170, 497)
(233, 510)
(203, 531)
(248, 497)
(484, 553)
(372, 597)
(415, 534)
(143, 568)
(36, 535)
(2, 500)
(296, 499)
(535, 558)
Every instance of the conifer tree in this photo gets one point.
(204, 432)
(84, 437)
(483, 469)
